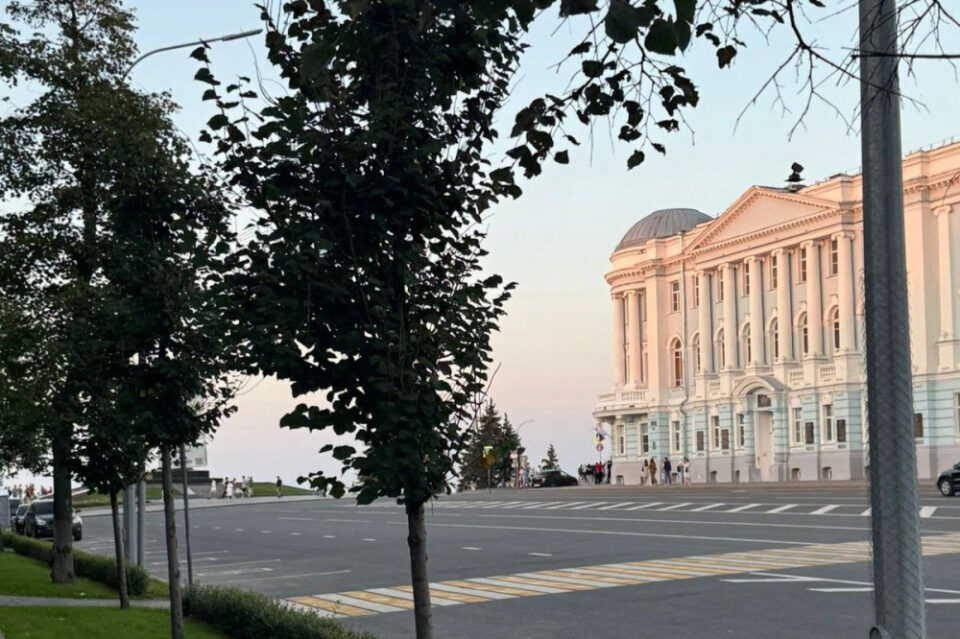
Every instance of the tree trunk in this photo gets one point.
(173, 561)
(417, 540)
(61, 561)
(118, 548)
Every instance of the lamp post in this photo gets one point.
(519, 456)
(195, 43)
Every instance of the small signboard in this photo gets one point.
(599, 448)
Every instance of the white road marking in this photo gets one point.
(741, 508)
(943, 601)
(700, 509)
(503, 504)
(359, 603)
(351, 521)
(368, 539)
(239, 530)
(851, 589)
(540, 554)
(825, 509)
(590, 505)
(511, 584)
(296, 518)
(329, 536)
(541, 504)
(408, 596)
(615, 506)
(673, 507)
(294, 534)
(780, 509)
(297, 576)
(566, 504)
(569, 580)
(515, 504)
(265, 532)
(470, 548)
(642, 506)
(468, 591)
(866, 513)
(926, 512)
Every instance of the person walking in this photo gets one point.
(667, 468)
(231, 488)
(681, 471)
(686, 472)
(213, 488)
(653, 471)
(644, 473)
(609, 470)
(279, 486)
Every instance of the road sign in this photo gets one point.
(599, 448)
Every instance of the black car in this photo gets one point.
(551, 478)
(14, 505)
(17, 522)
(949, 481)
(38, 522)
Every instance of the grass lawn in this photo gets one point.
(94, 500)
(269, 489)
(94, 623)
(26, 577)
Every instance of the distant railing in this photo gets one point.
(795, 378)
(622, 397)
(713, 388)
(828, 372)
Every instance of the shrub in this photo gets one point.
(95, 567)
(247, 615)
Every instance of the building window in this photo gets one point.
(808, 428)
(747, 352)
(675, 296)
(696, 291)
(700, 441)
(828, 434)
(956, 415)
(746, 278)
(675, 436)
(725, 439)
(841, 431)
(834, 257)
(741, 431)
(715, 423)
(835, 328)
(697, 362)
(720, 285)
(621, 440)
(804, 334)
(918, 425)
(773, 272)
(677, 350)
(798, 426)
(802, 265)
(644, 438)
(775, 338)
(721, 351)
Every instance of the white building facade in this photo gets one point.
(738, 340)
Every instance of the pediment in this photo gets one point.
(757, 210)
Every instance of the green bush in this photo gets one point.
(247, 615)
(95, 567)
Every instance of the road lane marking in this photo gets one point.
(823, 510)
(546, 590)
(535, 580)
(867, 512)
(649, 505)
(470, 548)
(739, 509)
(435, 600)
(294, 534)
(504, 504)
(467, 595)
(368, 539)
(475, 585)
(926, 512)
(673, 507)
(373, 597)
(363, 604)
(541, 504)
(296, 518)
(590, 504)
(540, 554)
(555, 576)
(351, 521)
(780, 509)
(615, 506)
(332, 606)
(566, 504)
(700, 509)
(329, 536)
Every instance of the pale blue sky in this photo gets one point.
(555, 345)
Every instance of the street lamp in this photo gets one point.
(519, 457)
(195, 43)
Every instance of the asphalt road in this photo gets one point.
(715, 561)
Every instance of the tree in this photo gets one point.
(551, 461)
(364, 278)
(496, 433)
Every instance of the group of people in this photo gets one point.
(598, 473)
(525, 478)
(232, 488)
(29, 492)
(649, 472)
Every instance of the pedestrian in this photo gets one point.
(609, 469)
(681, 471)
(644, 473)
(686, 471)
(279, 486)
(667, 468)
(526, 476)
(598, 473)
(213, 488)
(653, 471)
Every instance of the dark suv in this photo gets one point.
(550, 478)
(38, 522)
(949, 481)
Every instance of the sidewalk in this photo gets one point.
(60, 602)
(201, 502)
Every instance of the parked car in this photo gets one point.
(38, 521)
(949, 481)
(551, 478)
(17, 524)
(14, 505)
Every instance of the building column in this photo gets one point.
(845, 287)
(729, 315)
(814, 304)
(619, 350)
(949, 341)
(655, 339)
(784, 304)
(704, 319)
(633, 337)
(757, 326)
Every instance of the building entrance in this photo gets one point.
(763, 444)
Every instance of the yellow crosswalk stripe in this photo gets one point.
(579, 572)
(683, 567)
(517, 592)
(332, 606)
(380, 599)
(444, 594)
(544, 582)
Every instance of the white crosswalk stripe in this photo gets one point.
(615, 506)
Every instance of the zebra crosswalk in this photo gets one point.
(372, 601)
(843, 510)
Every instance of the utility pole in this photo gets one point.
(898, 578)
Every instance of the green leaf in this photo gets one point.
(725, 55)
(561, 157)
(313, 61)
(661, 37)
(592, 68)
(622, 23)
(635, 159)
(218, 121)
(200, 53)
(576, 7)
(685, 10)
(204, 75)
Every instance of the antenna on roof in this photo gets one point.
(794, 181)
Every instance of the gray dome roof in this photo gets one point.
(662, 223)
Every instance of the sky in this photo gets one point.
(554, 348)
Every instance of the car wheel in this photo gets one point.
(946, 488)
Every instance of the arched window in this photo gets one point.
(721, 351)
(835, 328)
(745, 346)
(676, 351)
(775, 339)
(697, 361)
(803, 334)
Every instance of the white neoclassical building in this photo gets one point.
(738, 340)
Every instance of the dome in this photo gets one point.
(662, 223)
